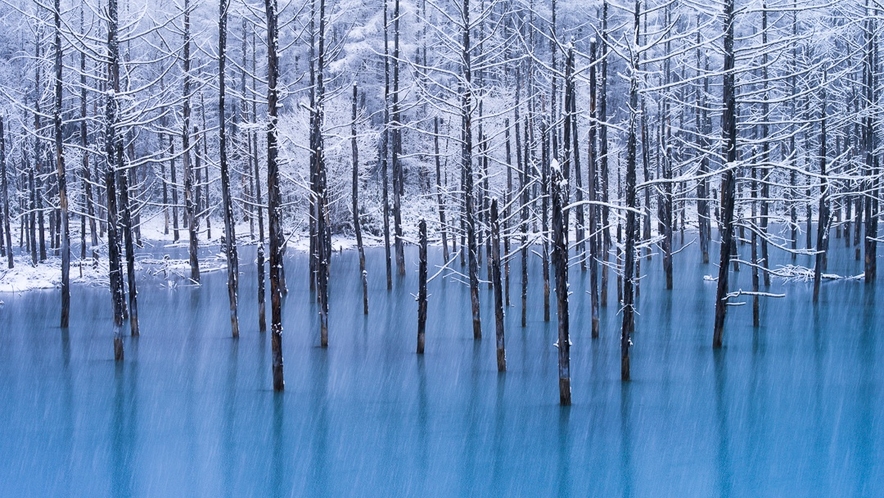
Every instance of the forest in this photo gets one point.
(599, 137)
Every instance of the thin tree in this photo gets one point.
(560, 263)
(498, 289)
(229, 228)
(357, 226)
(728, 180)
(4, 184)
(61, 178)
(189, 204)
(274, 202)
(422, 287)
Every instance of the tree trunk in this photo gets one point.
(189, 207)
(397, 145)
(592, 197)
(822, 229)
(728, 181)
(61, 178)
(274, 203)
(357, 228)
(443, 228)
(631, 228)
(422, 287)
(498, 288)
(4, 184)
(227, 202)
(114, 155)
(385, 152)
(560, 262)
(466, 104)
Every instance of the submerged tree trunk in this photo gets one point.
(61, 178)
(728, 181)
(592, 197)
(357, 226)
(227, 203)
(443, 228)
(422, 287)
(498, 289)
(114, 155)
(560, 262)
(189, 205)
(397, 146)
(628, 324)
(4, 184)
(466, 104)
(822, 229)
(274, 203)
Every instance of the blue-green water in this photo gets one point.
(791, 408)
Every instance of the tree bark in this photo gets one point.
(189, 206)
(498, 288)
(357, 228)
(560, 262)
(274, 203)
(61, 178)
(422, 287)
(728, 181)
(227, 203)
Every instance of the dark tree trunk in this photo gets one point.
(545, 191)
(189, 206)
(728, 181)
(443, 227)
(357, 228)
(560, 262)
(323, 248)
(603, 155)
(114, 155)
(498, 289)
(466, 99)
(631, 228)
(592, 197)
(274, 203)
(227, 202)
(822, 229)
(523, 188)
(61, 178)
(4, 184)
(422, 287)
(385, 152)
(397, 145)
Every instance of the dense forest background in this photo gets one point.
(755, 120)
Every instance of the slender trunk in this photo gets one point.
(4, 184)
(523, 188)
(466, 105)
(498, 290)
(61, 178)
(357, 228)
(822, 229)
(443, 228)
(189, 207)
(114, 154)
(422, 287)
(227, 203)
(631, 229)
(592, 197)
(560, 262)
(397, 144)
(728, 181)
(385, 152)
(274, 203)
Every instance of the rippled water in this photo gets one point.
(791, 408)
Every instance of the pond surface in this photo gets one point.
(793, 407)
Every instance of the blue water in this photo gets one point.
(791, 408)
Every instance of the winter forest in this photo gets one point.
(596, 141)
(675, 201)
